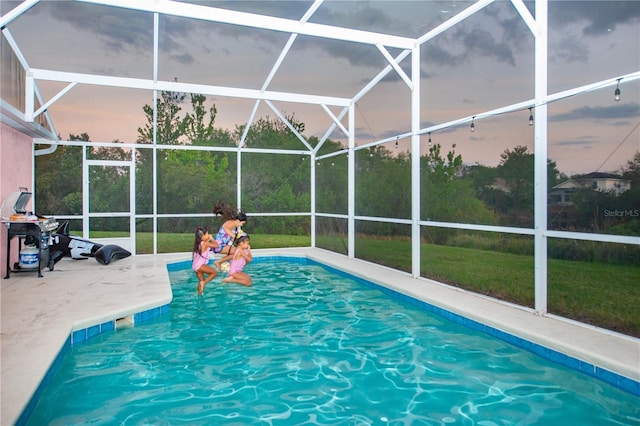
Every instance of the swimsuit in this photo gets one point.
(200, 259)
(237, 264)
(223, 239)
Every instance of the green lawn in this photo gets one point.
(601, 294)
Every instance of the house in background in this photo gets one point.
(562, 193)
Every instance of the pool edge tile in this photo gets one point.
(77, 337)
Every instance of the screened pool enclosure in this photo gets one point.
(490, 145)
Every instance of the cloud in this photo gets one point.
(184, 59)
(572, 22)
(570, 48)
(482, 43)
(122, 30)
(584, 141)
(362, 134)
(600, 17)
(119, 29)
(489, 34)
(628, 110)
(355, 54)
(435, 54)
(515, 30)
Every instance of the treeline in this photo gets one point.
(191, 181)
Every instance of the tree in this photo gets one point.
(187, 179)
(58, 178)
(383, 187)
(195, 129)
(276, 182)
(168, 132)
(628, 203)
(632, 169)
(447, 195)
(170, 126)
(516, 169)
(109, 187)
(437, 168)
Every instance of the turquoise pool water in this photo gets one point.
(308, 346)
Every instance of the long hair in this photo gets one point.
(223, 209)
(228, 212)
(198, 239)
(240, 238)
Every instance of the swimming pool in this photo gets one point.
(293, 349)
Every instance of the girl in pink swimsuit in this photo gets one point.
(241, 256)
(203, 245)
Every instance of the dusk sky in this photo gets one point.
(481, 64)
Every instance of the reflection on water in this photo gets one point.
(305, 346)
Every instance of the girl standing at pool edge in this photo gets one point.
(230, 228)
(203, 245)
(241, 256)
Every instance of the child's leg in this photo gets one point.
(238, 277)
(244, 279)
(200, 276)
(208, 270)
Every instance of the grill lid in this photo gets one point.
(21, 203)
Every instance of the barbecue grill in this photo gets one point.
(31, 230)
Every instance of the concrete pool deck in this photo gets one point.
(39, 314)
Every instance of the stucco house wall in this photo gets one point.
(16, 170)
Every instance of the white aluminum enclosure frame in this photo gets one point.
(86, 208)
(408, 46)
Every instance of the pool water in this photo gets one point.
(308, 346)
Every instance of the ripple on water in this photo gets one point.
(304, 346)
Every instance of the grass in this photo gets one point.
(595, 293)
(600, 294)
(181, 243)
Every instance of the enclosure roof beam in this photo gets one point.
(475, 7)
(252, 20)
(175, 86)
(276, 66)
(16, 12)
(426, 37)
(526, 15)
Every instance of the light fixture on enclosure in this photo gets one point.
(530, 116)
(616, 94)
(473, 126)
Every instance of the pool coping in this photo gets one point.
(41, 317)
(141, 287)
